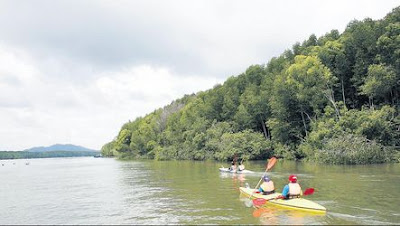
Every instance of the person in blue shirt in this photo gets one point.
(293, 189)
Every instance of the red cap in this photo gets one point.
(293, 178)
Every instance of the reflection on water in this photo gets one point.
(108, 191)
(238, 180)
(277, 216)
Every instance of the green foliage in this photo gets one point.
(289, 106)
(247, 144)
(312, 82)
(284, 151)
(396, 156)
(379, 81)
(373, 125)
(109, 149)
(286, 126)
(351, 149)
(388, 45)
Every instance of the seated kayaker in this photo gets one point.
(232, 167)
(267, 187)
(293, 189)
(241, 167)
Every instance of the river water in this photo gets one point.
(108, 191)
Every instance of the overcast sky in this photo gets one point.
(75, 71)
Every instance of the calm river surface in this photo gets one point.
(107, 191)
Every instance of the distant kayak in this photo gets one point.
(227, 170)
(295, 204)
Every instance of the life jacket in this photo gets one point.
(294, 190)
(268, 186)
(241, 167)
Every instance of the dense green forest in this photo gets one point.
(331, 99)
(49, 154)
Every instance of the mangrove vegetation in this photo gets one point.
(330, 99)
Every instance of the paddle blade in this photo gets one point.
(248, 203)
(271, 162)
(259, 202)
(309, 191)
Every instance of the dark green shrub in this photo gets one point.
(351, 149)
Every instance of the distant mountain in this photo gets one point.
(59, 147)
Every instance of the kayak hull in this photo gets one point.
(226, 170)
(294, 204)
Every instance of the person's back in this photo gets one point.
(241, 167)
(293, 189)
(267, 187)
(232, 167)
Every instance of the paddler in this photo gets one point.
(267, 187)
(293, 189)
(241, 166)
(233, 166)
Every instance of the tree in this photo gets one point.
(379, 82)
(313, 83)
(333, 56)
(123, 141)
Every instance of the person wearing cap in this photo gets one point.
(293, 189)
(267, 187)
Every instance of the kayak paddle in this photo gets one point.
(309, 191)
(259, 201)
(271, 163)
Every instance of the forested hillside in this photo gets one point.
(332, 99)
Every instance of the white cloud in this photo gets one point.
(38, 108)
(149, 84)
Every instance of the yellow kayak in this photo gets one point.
(295, 204)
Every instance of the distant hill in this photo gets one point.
(53, 151)
(60, 147)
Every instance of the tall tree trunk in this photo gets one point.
(304, 122)
(344, 97)
(269, 133)
(371, 99)
(264, 129)
(331, 97)
(391, 96)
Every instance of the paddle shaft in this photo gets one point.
(259, 182)
(271, 163)
(269, 166)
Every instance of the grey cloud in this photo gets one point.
(87, 32)
(218, 38)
